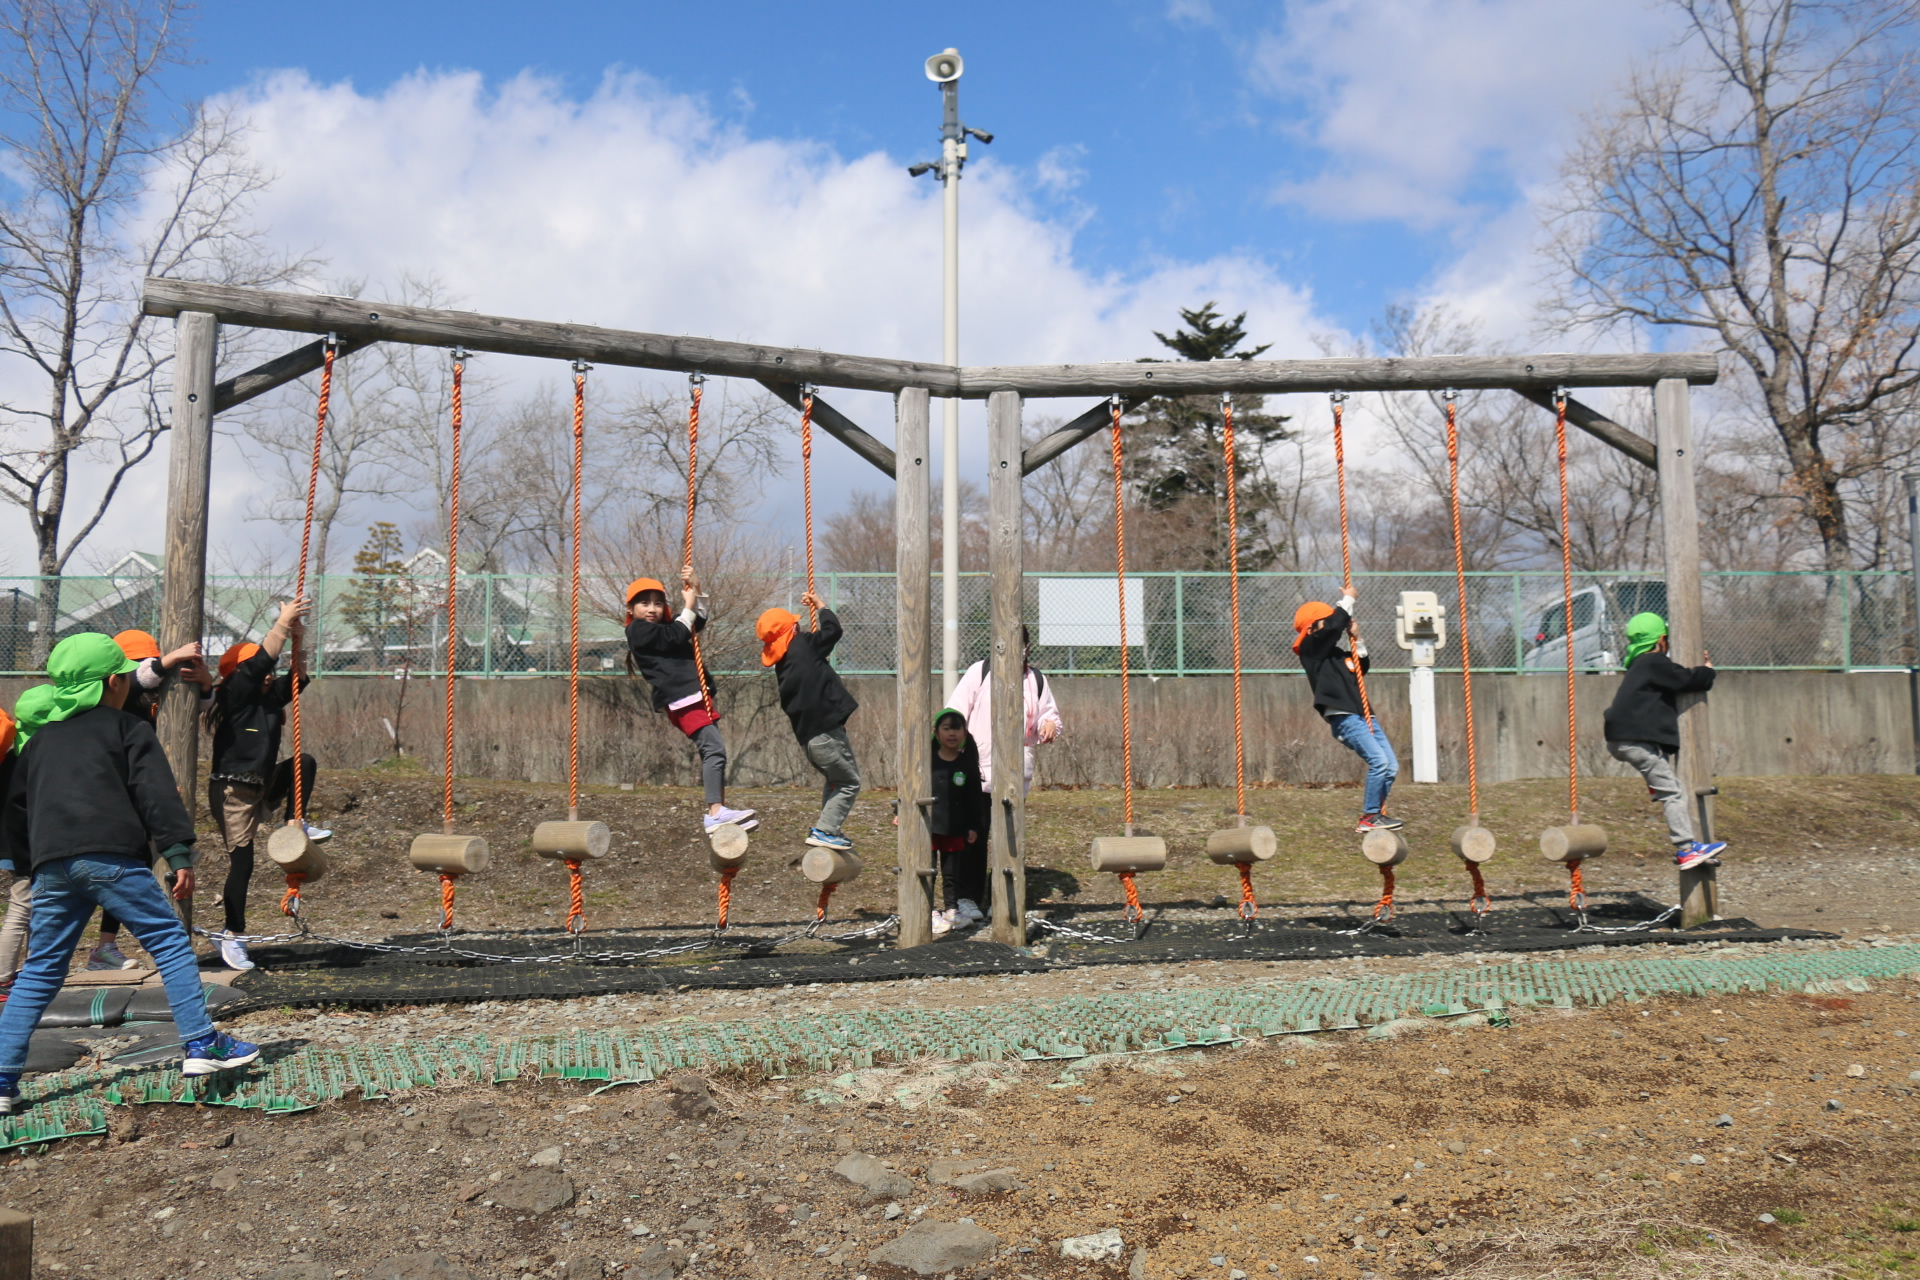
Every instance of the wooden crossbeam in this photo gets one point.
(364, 322)
(1056, 442)
(1598, 425)
(276, 372)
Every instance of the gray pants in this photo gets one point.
(713, 762)
(13, 930)
(832, 755)
(1655, 763)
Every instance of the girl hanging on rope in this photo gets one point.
(1334, 675)
(660, 649)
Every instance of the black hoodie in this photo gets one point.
(959, 805)
(810, 690)
(1644, 709)
(1336, 690)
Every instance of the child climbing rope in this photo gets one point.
(660, 649)
(1643, 729)
(818, 706)
(90, 795)
(248, 777)
(958, 821)
(1334, 674)
(13, 928)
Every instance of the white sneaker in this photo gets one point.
(941, 923)
(317, 834)
(968, 910)
(233, 953)
(736, 816)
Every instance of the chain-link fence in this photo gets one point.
(1179, 623)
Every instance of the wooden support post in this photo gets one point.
(183, 590)
(1006, 858)
(1686, 618)
(16, 1245)
(913, 741)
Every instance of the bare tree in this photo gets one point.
(107, 195)
(1760, 189)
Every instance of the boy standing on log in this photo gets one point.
(1643, 729)
(91, 792)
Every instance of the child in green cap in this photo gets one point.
(1643, 729)
(91, 792)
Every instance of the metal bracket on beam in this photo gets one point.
(838, 425)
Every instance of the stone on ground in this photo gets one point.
(988, 1182)
(873, 1177)
(302, 1271)
(1101, 1246)
(534, 1191)
(413, 1266)
(934, 1248)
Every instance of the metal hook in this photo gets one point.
(1449, 394)
(581, 367)
(1337, 397)
(461, 355)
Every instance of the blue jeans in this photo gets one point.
(65, 894)
(1372, 746)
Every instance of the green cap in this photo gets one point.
(77, 665)
(1644, 630)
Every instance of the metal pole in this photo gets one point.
(1913, 583)
(953, 153)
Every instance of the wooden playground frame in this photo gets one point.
(198, 311)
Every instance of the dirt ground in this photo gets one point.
(1578, 1143)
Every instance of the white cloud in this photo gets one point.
(636, 208)
(1419, 103)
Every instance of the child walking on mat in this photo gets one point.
(1334, 675)
(91, 793)
(1643, 729)
(818, 706)
(660, 649)
(958, 821)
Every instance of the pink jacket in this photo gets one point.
(973, 698)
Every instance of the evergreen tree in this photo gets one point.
(1176, 465)
(379, 606)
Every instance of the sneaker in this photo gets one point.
(10, 1102)
(318, 835)
(969, 911)
(736, 816)
(107, 956)
(829, 840)
(233, 952)
(217, 1052)
(1377, 822)
(941, 923)
(1688, 856)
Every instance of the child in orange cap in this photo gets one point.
(248, 778)
(660, 650)
(13, 928)
(1333, 673)
(818, 706)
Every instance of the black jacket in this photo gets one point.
(1336, 690)
(248, 709)
(95, 783)
(663, 655)
(959, 805)
(1644, 709)
(810, 691)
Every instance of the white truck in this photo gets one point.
(1600, 613)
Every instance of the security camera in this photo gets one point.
(944, 67)
(915, 170)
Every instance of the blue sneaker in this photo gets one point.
(1689, 856)
(829, 840)
(10, 1101)
(217, 1052)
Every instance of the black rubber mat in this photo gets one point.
(469, 967)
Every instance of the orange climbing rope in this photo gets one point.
(693, 466)
(1383, 910)
(576, 898)
(1126, 701)
(1249, 909)
(573, 653)
(453, 592)
(1346, 538)
(806, 489)
(820, 907)
(446, 901)
(290, 901)
(726, 895)
(1576, 889)
(1134, 913)
(1566, 620)
(300, 588)
(1233, 588)
(1480, 903)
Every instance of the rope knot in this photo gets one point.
(290, 901)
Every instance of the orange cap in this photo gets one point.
(1305, 616)
(775, 628)
(7, 733)
(639, 585)
(137, 645)
(235, 655)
